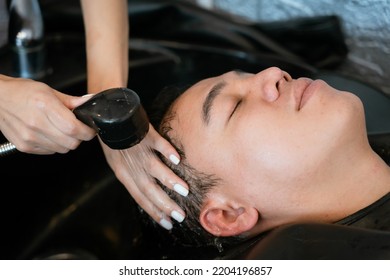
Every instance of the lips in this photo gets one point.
(304, 91)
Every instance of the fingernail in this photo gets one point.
(166, 224)
(177, 216)
(87, 95)
(180, 189)
(174, 159)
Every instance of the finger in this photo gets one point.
(67, 124)
(32, 148)
(146, 183)
(141, 156)
(168, 178)
(71, 101)
(40, 145)
(39, 151)
(160, 144)
(161, 201)
(141, 198)
(29, 141)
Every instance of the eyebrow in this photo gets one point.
(208, 102)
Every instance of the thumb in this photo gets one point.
(71, 101)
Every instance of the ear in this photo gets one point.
(220, 219)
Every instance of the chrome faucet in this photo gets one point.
(26, 38)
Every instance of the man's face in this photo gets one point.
(266, 135)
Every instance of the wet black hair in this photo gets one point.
(190, 232)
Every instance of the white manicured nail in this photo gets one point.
(177, 216)
(174, 159)
(88, 95)
(180, 189)
(166, 224)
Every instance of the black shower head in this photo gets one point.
(117, 116)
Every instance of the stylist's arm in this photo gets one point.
(137, 168)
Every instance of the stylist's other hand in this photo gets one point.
(138, 167)
(38, 119)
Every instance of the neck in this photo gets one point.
(362, 183)
(350, 184)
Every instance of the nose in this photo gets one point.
(268, 80)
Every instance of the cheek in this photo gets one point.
(277, 152)
(292, 149)
(276, 157)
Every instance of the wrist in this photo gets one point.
(100, 85)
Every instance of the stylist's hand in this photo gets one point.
(137, 169)
(38, 119)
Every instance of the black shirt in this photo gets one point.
(375, 216)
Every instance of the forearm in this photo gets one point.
(107, 34)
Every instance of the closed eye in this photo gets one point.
(235, 109)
